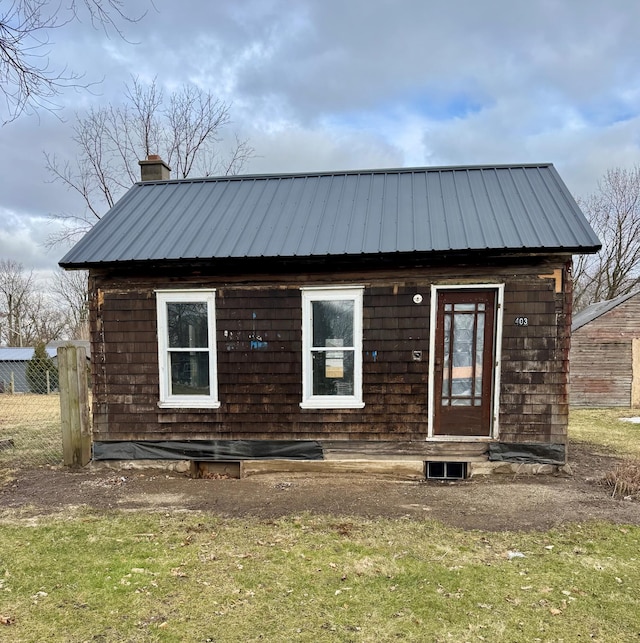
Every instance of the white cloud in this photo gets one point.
(322, 85)
(296, 149)
(23, 238)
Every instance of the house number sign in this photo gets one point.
(521, 321)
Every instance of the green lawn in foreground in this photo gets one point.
(190, 577)
(605, 428)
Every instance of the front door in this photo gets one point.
(464, 362)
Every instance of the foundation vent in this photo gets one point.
(446, 470)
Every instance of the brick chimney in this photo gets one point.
(154, 169)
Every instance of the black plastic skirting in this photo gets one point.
(208, 450)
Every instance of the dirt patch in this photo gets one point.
(499, 502)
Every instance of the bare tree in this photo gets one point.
(50, 310)
(185, 129)
(70, 289)
(43, 320)
(614, 213)
(27, 78)
(16, 288)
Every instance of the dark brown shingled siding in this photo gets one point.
(260, 389)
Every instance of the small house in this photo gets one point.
(415, 315)
(605, 353)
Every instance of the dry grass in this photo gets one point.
(21, 408)
(30, 429)
(624, 479)
(606, 429)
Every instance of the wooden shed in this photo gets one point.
(14, 361)
(13, 368)
(605, 353)
(419, 315)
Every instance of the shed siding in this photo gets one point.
(601, 357)
(260, 389)
(16, 373)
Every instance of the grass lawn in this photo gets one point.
(603, 427)
(32, 425)
(190, 577)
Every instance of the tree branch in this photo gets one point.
(27, 79)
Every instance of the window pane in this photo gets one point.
(447, 363)
(190, 373)
(461, 386)
(332, 323)
(187, 324)
(332, 372)
(462, 340)
(458, 382)
(479, 353)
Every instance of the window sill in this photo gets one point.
(331, 404)
(188, 404)
(461, 438)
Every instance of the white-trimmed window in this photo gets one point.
(187, 348)
(332, 347)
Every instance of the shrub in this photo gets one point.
(38, 367)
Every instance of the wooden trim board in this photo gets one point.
(406, 470)
(635, 373)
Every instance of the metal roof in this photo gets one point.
(369, 212)
(593, 311)
(21, 354)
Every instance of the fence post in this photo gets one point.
(74, 406)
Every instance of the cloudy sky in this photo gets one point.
(354, 84)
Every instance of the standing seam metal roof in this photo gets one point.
(369, 212)
(12, 354)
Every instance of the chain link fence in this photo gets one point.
(30, 429)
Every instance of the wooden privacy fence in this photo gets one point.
(74, 406)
